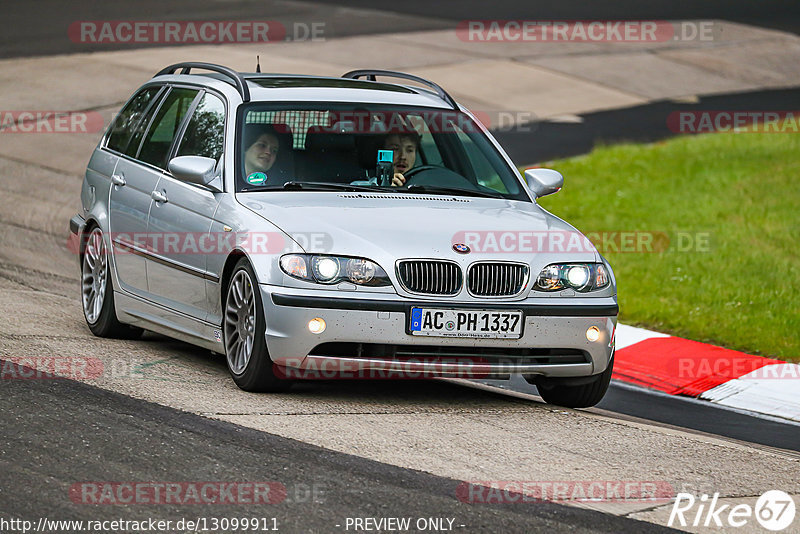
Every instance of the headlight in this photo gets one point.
(361, 271)
(578, 276)
(295, 265)
(601, 276)
(549, 279)
(581, 277)
(323, 269)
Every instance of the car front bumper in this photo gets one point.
(380, 321)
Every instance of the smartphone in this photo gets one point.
(385, 167)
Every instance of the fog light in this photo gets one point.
(592, 334)
(317, 325)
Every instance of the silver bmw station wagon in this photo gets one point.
(317, 227)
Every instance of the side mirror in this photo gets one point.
(194, 169)
(543, 182)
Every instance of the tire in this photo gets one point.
(244, 328)
(97, 290)
(561, 392)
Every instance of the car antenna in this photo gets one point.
(258, 64)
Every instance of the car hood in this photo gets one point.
(401, 225)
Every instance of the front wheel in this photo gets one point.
(244, 329)
(566, 392)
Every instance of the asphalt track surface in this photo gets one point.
(57, 433)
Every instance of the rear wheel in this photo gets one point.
(244, 330)
(97, 292)
(570, 392)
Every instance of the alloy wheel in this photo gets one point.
(240, 322)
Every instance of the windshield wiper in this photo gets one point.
(437, 190)
(332, 186)
(318, 186)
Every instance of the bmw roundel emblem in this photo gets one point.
(461, 248)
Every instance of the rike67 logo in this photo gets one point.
(774, 510)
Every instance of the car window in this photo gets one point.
(485, 173)
(346, 144)
(128, 119)
(428, 151)
(206, 129)
(136, 139)
(165, 126)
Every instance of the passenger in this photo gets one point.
(262, 149)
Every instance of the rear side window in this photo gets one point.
(165, 126)
(205, 133)
(127, 120)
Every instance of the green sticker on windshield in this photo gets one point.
(257, 178)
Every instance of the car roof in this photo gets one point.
(303, 88)
(277, 87)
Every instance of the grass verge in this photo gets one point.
(729, 205)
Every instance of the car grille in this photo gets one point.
(430, 277)
(494, 279)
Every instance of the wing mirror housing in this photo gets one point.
(542, 182)
(195, 170)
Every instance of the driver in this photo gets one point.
(404, 145)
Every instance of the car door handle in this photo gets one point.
(158, 196)
(118, 179)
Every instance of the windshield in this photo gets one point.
(328, 146)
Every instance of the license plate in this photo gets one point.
(487, 324)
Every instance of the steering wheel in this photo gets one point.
(435, 175)
(413, 171)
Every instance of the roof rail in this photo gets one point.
(237, 78)
(370, 75)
